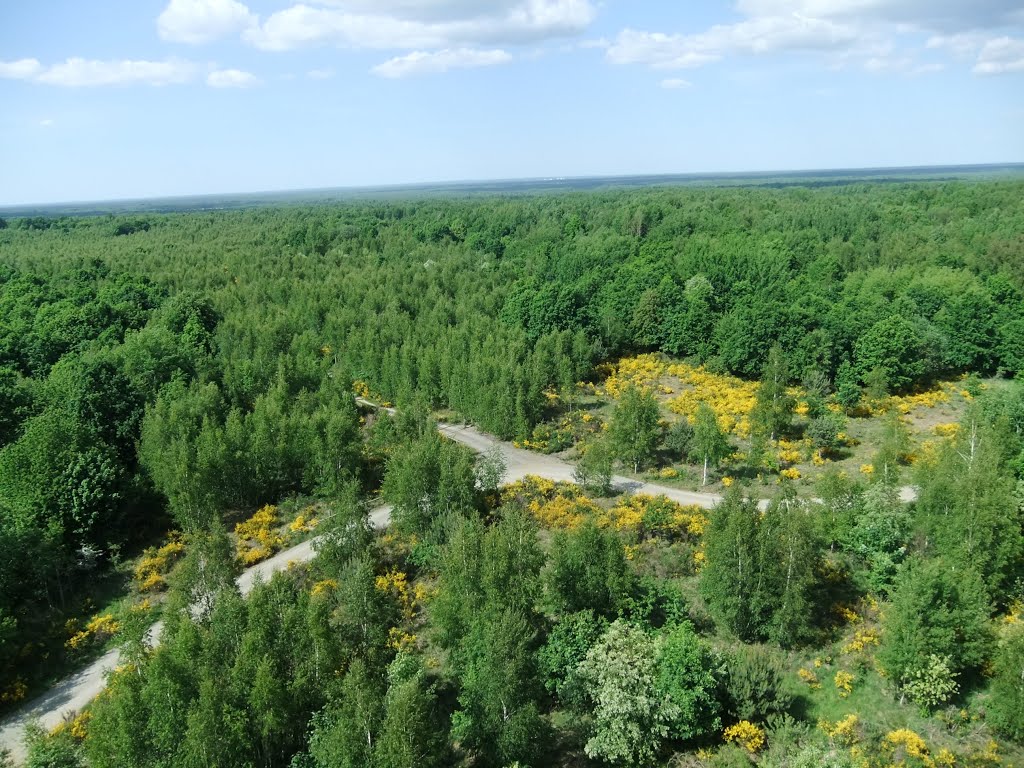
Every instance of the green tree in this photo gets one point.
(773, 408)
(1007, 692)
(688, 676)
(710, 444)
(566, 646)
(410, 735)
(593, 470)
(847, 386)
(587, 570)
(634, 430)
(892, 345)
(632, 717)
(935, 610)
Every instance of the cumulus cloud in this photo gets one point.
(202, 21)
(422, 62)
(432, 24)
(22, 69)
(948, 16)
(320, 74)
(76, 72)
(999, 56)
(847, 31)
(231, 78)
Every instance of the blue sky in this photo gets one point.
(139, 98)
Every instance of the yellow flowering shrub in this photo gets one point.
(304, 522)
(257, 539)
(867, 469)
(862, 639)
(747, 735)
(731, 398)
(946, 430)
(792, 473)
(396, 584)
(324, 586)
(400, 640)
(843, 731)
(844, 683)
(99, 629)
(564, 514)
(904, 743)
(727, 481)
(151, 569)
(655, 515)
(14, 692)
(809, 677)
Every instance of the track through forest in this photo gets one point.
(75, 692)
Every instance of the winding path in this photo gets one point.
(73, 693)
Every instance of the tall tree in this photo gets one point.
(634, 430)
(710, 444)
(773, 408)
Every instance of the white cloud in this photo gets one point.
(657, 50)
(46, 122)
(878, 35)
(422, 62)
(432, 24)
(76, 72)
(320, 74)
(999, 56)
(675, 83)
(22, 69)
(754, 36)
(948, 16)
(231, 78)
(202, 21)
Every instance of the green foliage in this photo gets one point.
(894, 347)
(755, 684)
(631, 715)
(773, 409)
(709, 444)
(593, 470)
(52, 751)
(931, 684)
(688, 674)
(878, 536)
(760, 580)
(847, 387)
(634, 430)
(679, 439)
(426, 479)
(968, 508)
(587, 570)
(939, 611)
(566, 646)
(1007, 696)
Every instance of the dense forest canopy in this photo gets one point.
(184, 370)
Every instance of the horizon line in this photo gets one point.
(522, 180)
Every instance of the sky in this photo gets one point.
(116, 99)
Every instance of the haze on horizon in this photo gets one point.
(158, 98)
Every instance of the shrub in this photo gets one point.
(755, 685)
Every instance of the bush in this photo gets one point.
(932, 684)
(1007, 709)
(755, 685)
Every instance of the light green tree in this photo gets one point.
(710, 444)
(634, 430)
(632, 716)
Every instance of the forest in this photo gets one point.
(840, 366)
